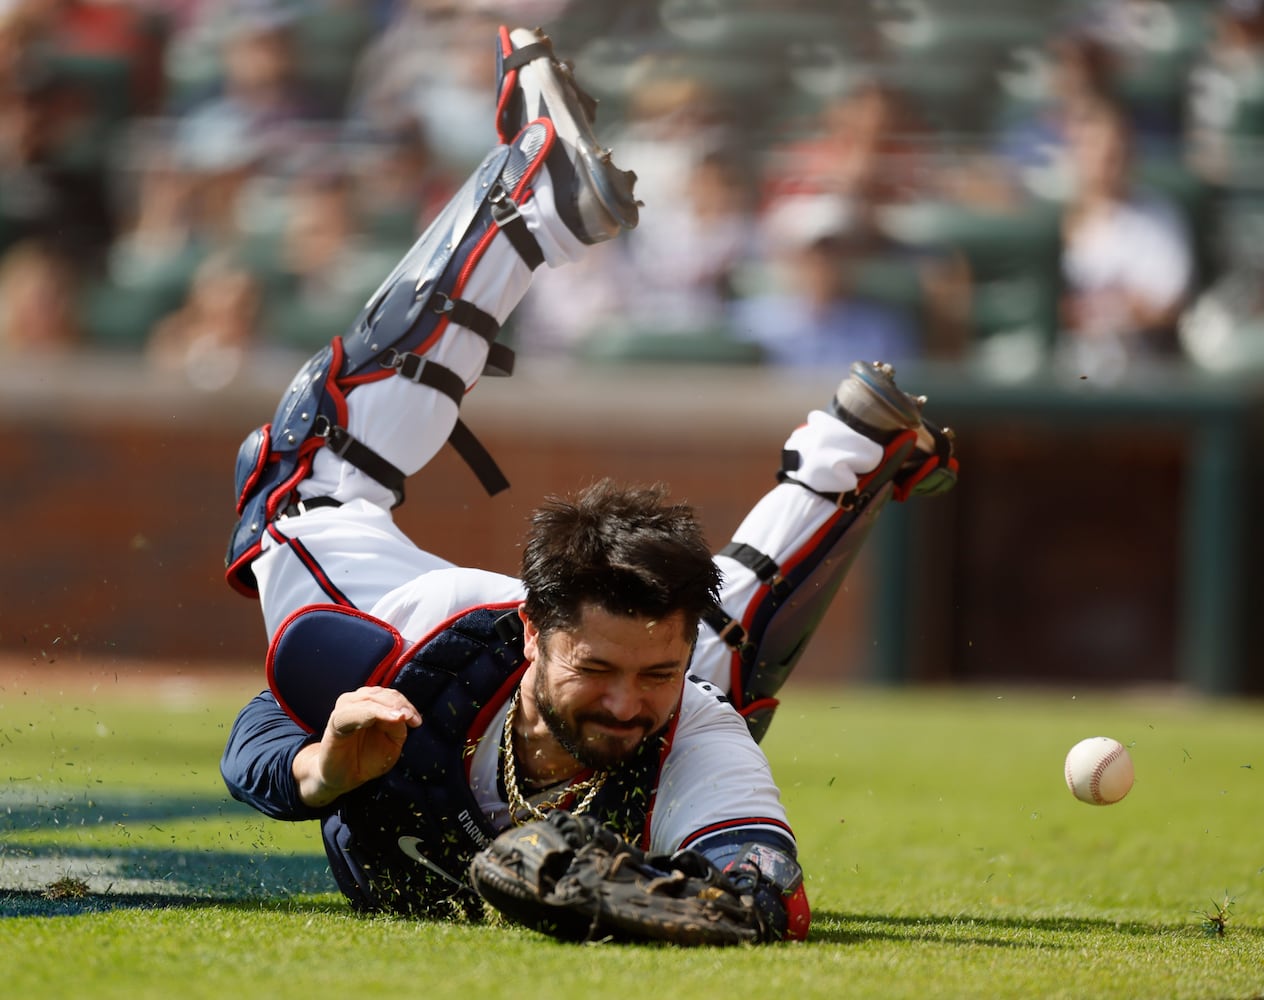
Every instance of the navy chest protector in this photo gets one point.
(403, 843)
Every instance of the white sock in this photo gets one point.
(558, 244)
(832, 455)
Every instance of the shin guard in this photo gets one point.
(872, 425)
(402, 332)
(768, 640)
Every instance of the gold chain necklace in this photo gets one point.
(518, 804)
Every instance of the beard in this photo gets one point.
(600, 753)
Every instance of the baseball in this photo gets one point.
(1099, 770)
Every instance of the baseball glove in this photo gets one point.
(572, 878)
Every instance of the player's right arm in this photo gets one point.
(274, 765)
(258, 760)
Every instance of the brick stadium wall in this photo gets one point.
(118, 493)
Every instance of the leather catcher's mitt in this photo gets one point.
(572, 878)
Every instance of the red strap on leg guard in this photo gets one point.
(906, 485)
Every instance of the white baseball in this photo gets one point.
(1099, 770)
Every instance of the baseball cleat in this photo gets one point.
(869, 401)
(593, 197)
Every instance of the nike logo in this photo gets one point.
(409, 846)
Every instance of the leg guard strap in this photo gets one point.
(415, 369)
(763, 566)
(509, 221)
(340, 442)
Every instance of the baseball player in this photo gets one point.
(418, 709)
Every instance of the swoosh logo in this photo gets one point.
(409, 846)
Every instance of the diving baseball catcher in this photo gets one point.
(578, 746)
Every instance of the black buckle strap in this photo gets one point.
(528, 53)
(500, 359)
(729, 631)
(340, 442)
(790, 462)
(417, 369)
(510, 222)
(468, 315)
(762, 565)
(478, 459)
(311, 503)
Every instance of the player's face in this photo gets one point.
(606, 685)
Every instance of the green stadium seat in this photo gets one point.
(713, 346)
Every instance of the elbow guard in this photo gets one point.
(774, 881)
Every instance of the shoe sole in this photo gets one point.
(549, 84)
(876, 401)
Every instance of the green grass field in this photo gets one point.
(945, 858)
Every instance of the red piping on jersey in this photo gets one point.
(735, 824)
(304, 555)
(747, 710)
(484, 717)
(668, 738)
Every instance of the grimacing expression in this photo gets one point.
(610, 683)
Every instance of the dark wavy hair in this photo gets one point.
(626, 550)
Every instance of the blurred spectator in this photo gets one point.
(114, 48)
(1225, 111)
(260, 103)
(673, 120)
(1151, 44)
(38, 296)
(1029, 150)
(674, 273)
(433, 63)
(160, 226)
(679, 263)
(870, 156)
(209, 338)
(813, 316)
(43, 193)
(1127, 264)
(864, 149)
(231, 140)
(324, 270)
(401, 184)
